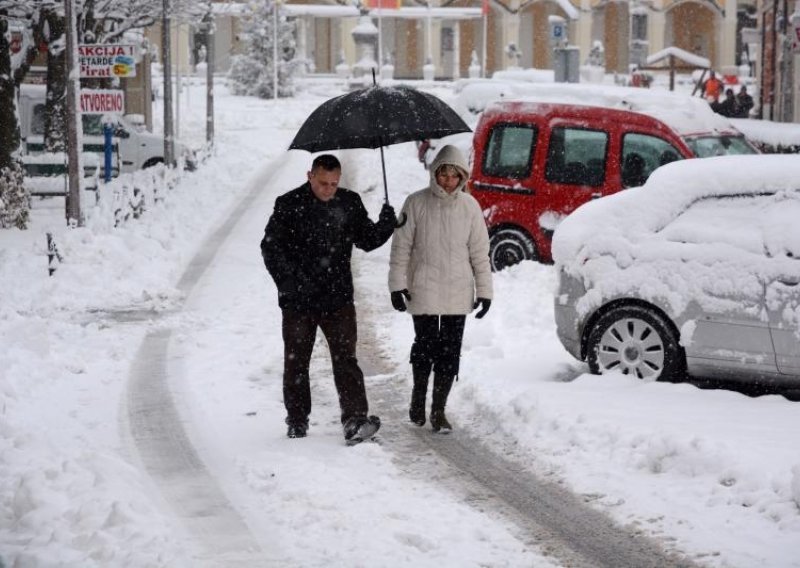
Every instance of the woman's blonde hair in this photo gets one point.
(449, 169)
(452, 169)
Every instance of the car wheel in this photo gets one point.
(508, 247)
(152, 162)
(636, 341)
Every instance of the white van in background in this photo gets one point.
(137, 147)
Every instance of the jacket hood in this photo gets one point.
(452, 156)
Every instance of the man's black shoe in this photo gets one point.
(360, 428)
(297, 430)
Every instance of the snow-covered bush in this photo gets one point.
(14, 202)
(252, 73)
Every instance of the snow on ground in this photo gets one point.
(715, 472)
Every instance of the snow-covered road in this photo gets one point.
(712, 473)
(171, 392)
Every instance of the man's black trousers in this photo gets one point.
(299, 333)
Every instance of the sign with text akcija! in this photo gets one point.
(102, 101)
(109, 60)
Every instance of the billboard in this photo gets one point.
(109, 60)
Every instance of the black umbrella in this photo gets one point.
(375, 117)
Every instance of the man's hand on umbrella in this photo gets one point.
(387, 215)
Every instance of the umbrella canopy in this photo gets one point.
(375, 117)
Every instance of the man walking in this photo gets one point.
(307, 246)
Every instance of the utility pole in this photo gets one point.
(210, 56)
(74, 127)
(166, 63)
(275, 38)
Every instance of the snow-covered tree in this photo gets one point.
(20, 25)
(14, 208)
(252, 72)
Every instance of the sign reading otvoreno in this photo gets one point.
(102, 101)
(111, 60)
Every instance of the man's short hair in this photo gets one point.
(327, 162)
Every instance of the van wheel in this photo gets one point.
(152, 162)
(637, 341)
(508, 247)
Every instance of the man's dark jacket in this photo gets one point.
(308, 243)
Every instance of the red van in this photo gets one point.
(536, 162)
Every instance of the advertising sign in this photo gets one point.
(111, 60)
(15, 46)
(794, 29)
(102, 101)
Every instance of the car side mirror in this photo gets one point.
(122, 133)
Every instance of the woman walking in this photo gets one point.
(439, 272)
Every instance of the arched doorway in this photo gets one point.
(691, 26)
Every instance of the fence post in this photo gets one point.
(52, 254)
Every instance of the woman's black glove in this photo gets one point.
(484, 303)
(398, 303)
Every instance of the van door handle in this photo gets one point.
(503, 188)
(789, 281)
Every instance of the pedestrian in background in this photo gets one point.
(439, 271)
(727, 107)
(744, 103)
(307, 246)
(712, 88)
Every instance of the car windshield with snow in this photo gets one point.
(697, 272)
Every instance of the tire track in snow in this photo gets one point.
(160, 439)
(549, 518)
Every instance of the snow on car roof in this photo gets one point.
(685, 114)
(630, 241)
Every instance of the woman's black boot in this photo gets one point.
(441, 390)
(416, 412)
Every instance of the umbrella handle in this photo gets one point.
(403, 217)
(383, 169)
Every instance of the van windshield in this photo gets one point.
(707, 146)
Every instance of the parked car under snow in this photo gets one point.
(696, 272)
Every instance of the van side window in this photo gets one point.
(37, 119)
(577, 156)
(641, 154)
(509, 151)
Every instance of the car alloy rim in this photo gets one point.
(633, 347)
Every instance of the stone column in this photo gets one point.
(726, 50)
(365, 36)
(656, 27)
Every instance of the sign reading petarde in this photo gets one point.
(102, 101)
(109, 60)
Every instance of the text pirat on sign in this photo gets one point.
(107, 60)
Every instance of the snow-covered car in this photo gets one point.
(137, 148)
(697, 272)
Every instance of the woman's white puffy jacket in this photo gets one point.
(441, 253)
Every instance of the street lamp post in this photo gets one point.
(275, 38)
(74, 130)
(166, 64)
(210, 56)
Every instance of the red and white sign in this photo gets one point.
(796, 41)
(102, 101)
(111, 60)
(15, 45)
